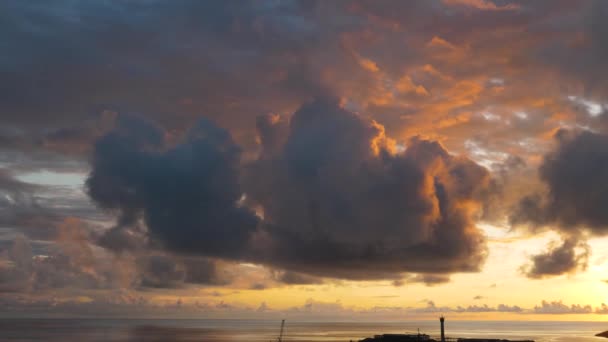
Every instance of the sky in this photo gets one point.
(348, 159)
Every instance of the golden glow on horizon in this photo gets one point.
(499, 283)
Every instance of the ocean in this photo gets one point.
(182, 330)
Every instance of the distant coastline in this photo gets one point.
(418, 337)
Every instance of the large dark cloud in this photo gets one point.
(338, 201)
(68, 63)
(72, 61)
(574, 174)
(336, 198)
(580, 53)
(187, 194)
(577, 186)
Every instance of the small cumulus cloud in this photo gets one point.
(570, 256)
(557, 307)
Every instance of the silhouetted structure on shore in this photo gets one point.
(426, 338)
(441, 320)
(398, 338)
(489, 340)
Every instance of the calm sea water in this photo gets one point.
(156, 330)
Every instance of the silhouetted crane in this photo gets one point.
(280, 339)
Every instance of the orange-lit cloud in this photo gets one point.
(452, 116)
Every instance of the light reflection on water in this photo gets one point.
(151, 330)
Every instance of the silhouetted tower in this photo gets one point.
(442, 319)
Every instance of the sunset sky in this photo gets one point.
(353, 160)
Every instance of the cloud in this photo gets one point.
(187, 194)
(484, 5)
(19, 205)
(572, 255)
(292, 50)
(160, 271)
(428, 279)
(258, 286)
(574, 174)
(432, 308)
(171, 272)
(14, 277)
(338, 201)
(486, 308)
(9, 184)
(204, 271)
(217, 47)
(121, 239)
(37, 210)
(557, 307)
(508, 308)
(294, 278)
(270, 57)
(603, 309)
(125, 302)
(309, 203)
(323, 195)
(584, 63)
(546, 307)
(72, 262)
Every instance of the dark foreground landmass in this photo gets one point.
(603, 334)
